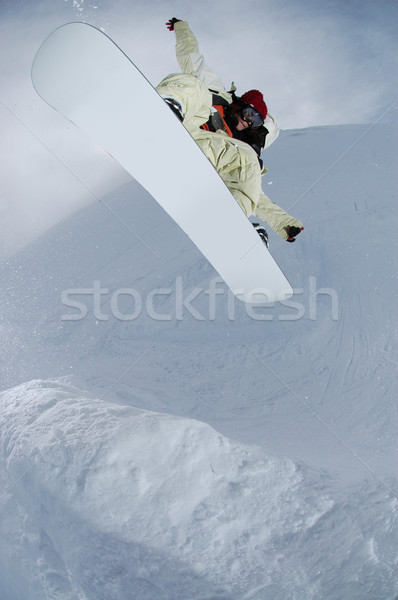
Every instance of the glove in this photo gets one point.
(292, 232)
(170, 24)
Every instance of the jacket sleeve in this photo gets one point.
(275, 216)
(191, 61)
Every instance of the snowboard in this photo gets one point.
(84, 75)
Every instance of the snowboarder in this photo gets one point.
(230, 130)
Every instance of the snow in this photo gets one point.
(129, 503)
(160, 440)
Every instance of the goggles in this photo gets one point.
(252, 116)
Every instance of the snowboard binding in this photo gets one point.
(262, 232)
(175, 107)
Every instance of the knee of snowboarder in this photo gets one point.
(191, 94)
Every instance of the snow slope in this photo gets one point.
(172, 443)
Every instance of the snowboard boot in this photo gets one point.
(262, 233)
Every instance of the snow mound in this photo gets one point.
(109, 501)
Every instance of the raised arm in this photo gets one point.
(191, 61)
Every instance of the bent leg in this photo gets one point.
(193, 96)
(237, 165)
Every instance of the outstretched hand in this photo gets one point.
(292, 231)
(170, 24)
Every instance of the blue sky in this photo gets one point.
(317, 62)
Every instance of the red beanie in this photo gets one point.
(256, 99)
